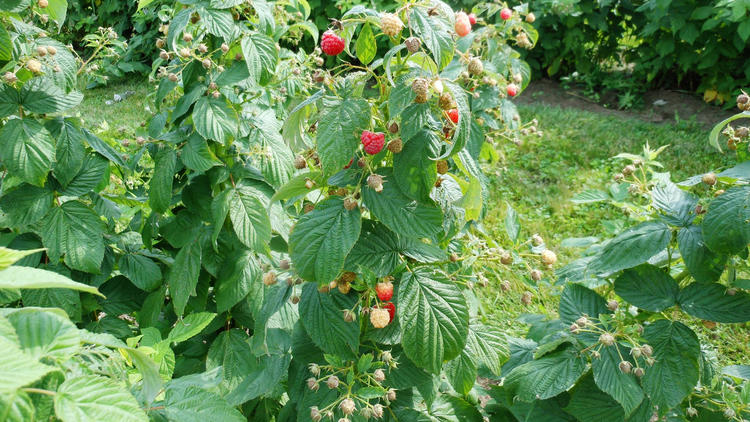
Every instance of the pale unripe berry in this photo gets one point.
(224, 48)
(269, 278)
(315, 414)
(163, 55)
(420, 86)
(390, 24)
(187, 37)
(628, 170)
(535, 275)
(185, 52)
(312, 384)
(377, 411)
(51, 50)
(639, 372)
(378, 375)
(475, 66)
(41, 51)
(709, 179)
(391, 394)
(202, 48)
(42, 3)
(530, 18)
(607, 339)
(582, 321)
(379, 317)
(537, 240)
(332, 382)
(375, 182)
(526, 298)
(626, 367)
(10, 77)
(549, 257)
(612, 305)
(34, 66)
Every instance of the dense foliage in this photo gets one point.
(288, 241)
(690, 44)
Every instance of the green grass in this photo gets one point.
(539, 178)
(118, 120)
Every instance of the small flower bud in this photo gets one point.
(639, 372)
(378, 375)
(312, 384)
(391, 394)
(347, 406)
(187, 37)
(377, 411)
(626, 367)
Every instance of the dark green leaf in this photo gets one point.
(322, 316)
(183, 276)
(704, 265)
(414, 168)
(26, 205)
(321, 240)
(28, 150)
(577, 301)
(236, 278)
(339, 130)
(214, 119)
(434, 318)
(160, 185)
(633, 247)
(622, 387)
(261, 56)
(76, 231)
(647, 287)
(726, 226)
(547, 377)
(712, 302)
(675, 373)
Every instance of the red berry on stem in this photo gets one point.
(506, 14)
(463, 25)
(512, 90)
(372, 141)
(453, 114)
(472, 18)
(384, 290)
(331, 43)
(391, 309)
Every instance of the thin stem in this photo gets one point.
(39, 391)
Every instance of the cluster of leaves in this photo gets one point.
(138, 28)
(620, 349)
(693, 44)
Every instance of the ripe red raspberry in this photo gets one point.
(512, 90)
(453, 114)
(463, 25)
(331, 43)
(506, 14)
(384, 290)
(472, 18)
(391, 310)
(372, 141)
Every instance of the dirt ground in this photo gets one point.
(659, 105)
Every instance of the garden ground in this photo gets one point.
(574, 154)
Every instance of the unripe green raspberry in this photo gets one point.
(420, 86)
(475, 66)
(390, 24)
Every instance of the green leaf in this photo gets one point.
(69, 150)
(9, 257)
(26, 205)
(218, 22)
(726, 226)
(647, 287)
(415, 168)
(197, 156)
(737, 371)
(675, 373)
(704, 265)
(512, 225)
(712, 302)
(74, 230)
(262, 380)
(379, 250)
(322, 316)
(45, 334)
(190, 326)
(633, 247)
(231, 351)
(65, 299)
(249, 218)
(590, 196)
(547, 377)
(36, 278)
(261, 56)
(183, 276)
(462, 373)
(296, 186)
(57, 9)
(236, 278)
(487, 345)
(678, 206)
(214, 119)
(577, 301)
(42, 96)
(434, 34)
(366, 47)
(17, 407)
(141, 270)
(400, 213)
(28, 150)
(92, 173)
(92, 397)
(434, 318)
(9, 100)
(339, 130)
(322, 238)
(194, 404)
(590, 404)
(160, 185)
(6, 45)
(18, 369)
(622, 387)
